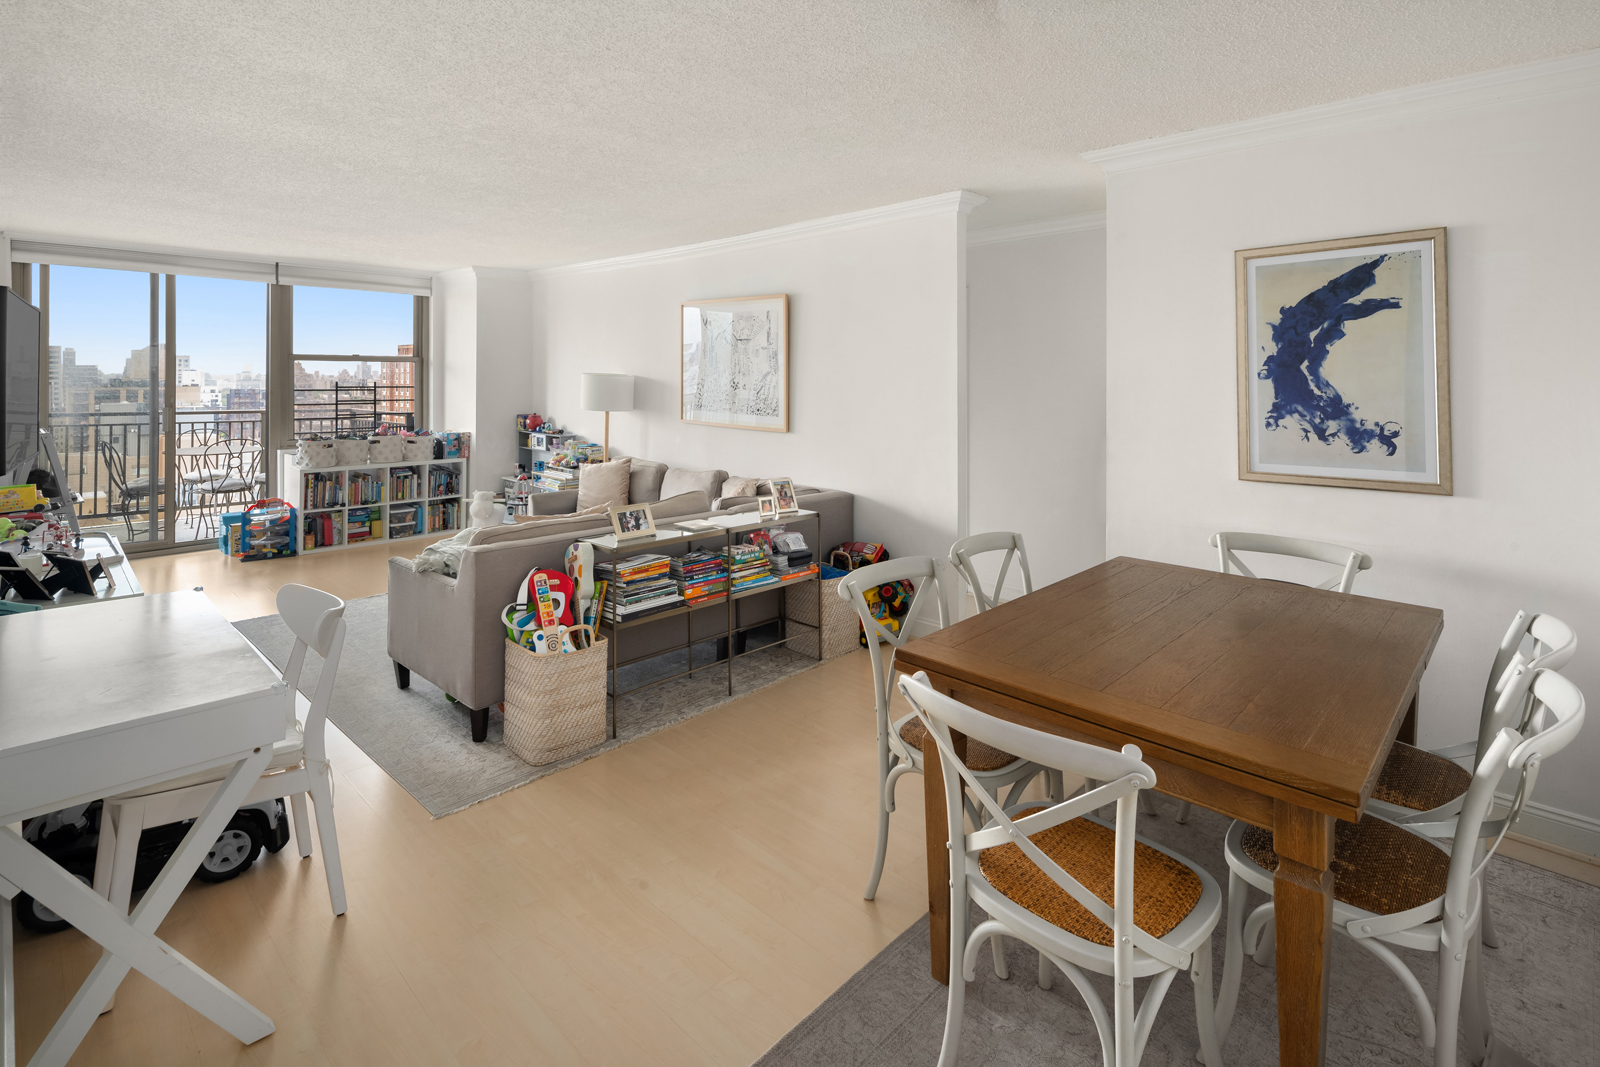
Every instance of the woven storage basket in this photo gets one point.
(418, 449)
(386, 448)
(353, 453)
(841, 626)
(555, 704)
(317, 454)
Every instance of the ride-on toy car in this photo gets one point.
(71, 836)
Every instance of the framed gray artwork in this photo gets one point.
(1344, 368)
(734, 368)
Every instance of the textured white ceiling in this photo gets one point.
(437, 134)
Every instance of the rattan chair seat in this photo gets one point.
(1165, 890)
(980, 757)
(1377, 866)
(1417, 779)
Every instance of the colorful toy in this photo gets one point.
(889, 604)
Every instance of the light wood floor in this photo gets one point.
(683, 900)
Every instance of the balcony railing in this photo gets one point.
(340, 408)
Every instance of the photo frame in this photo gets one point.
(632, 522)
(783, 492)
(1344, 363)
(733, 364)
(768, 506)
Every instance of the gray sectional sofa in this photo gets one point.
(448, 629)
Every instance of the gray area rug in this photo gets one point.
(1544, 991)
(425, 743)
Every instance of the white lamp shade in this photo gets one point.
(607, 392)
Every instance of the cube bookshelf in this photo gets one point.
(344, 506)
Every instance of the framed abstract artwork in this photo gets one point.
(734, 368)
(1344, 363)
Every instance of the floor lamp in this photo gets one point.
(607, 393)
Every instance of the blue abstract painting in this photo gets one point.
(1342, 363)
(1302, 394)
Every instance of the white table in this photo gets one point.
(97, 545)
(139, 692)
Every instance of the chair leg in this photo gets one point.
(1232, 956)
(1475, 1005)
(1147, 803)
(327, 836)
(884, 784)
(1267, 953)
(1200, 975)
(302, 825)
(1491, 936)
(1046, 972)
(1452, 975)
(1183, 811)
(954, 1005)
(997, 949)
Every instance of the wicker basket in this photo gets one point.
(841, 626)
(555, 704)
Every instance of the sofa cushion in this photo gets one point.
(735, 485)
(694, 502)
(551, 526)
(603, 483)
(644, 481)
(678, 480)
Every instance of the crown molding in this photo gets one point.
(1527, 80)
(160, 259)
(1089, 220)
(957, 203)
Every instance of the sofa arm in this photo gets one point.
(560, 502)
(430, 627)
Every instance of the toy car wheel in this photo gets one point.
(38, 918)
(235, 850)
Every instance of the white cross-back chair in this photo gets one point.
(1424, 790)
(900, 743)
(965, 551)
(1228, 544)
(1348, 560)
(1393, 886)
(299, 764)
(1075, 928)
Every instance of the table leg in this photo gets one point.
(1302, 890)
(8, 987)
(938, 846)
(130, 941)
(1408, 725)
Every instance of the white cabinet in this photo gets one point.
(343, 506)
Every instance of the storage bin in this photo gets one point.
(386, 448)
(841, 626)
(418, 449)
(317, 454)
(555, 704)
(353, 452)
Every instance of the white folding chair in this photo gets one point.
(1151, 919)
(964, 552)
(900, 743)
(1431, 900)
(299, 763)
(1348, 560)
(1423, 790)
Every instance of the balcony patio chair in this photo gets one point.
(123, 491)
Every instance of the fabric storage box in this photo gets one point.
(418, 449)
(555, 704)
(841, 626)
(386, 448)
(317, 454)
(353, 452)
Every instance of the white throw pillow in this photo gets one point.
(603, 483)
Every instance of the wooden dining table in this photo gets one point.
(1265, 701)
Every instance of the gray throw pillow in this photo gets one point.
(678, 480)
(603, 483)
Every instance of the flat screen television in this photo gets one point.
(19, 383)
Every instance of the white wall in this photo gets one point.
(482, 374)
(1514, 183)
(874, 330)
(1037, 380)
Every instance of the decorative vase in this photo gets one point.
(482, 509)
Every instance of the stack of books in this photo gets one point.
(402, 483)
(748, 567)
(557, 478)
(700, 576)
(640, 584)
(364, 524)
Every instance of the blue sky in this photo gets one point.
(222, 324)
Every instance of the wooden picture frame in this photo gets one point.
(1332, 389)
(733, 363)
(783, 492)
(633, 522)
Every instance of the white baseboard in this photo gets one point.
(1553, 826)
